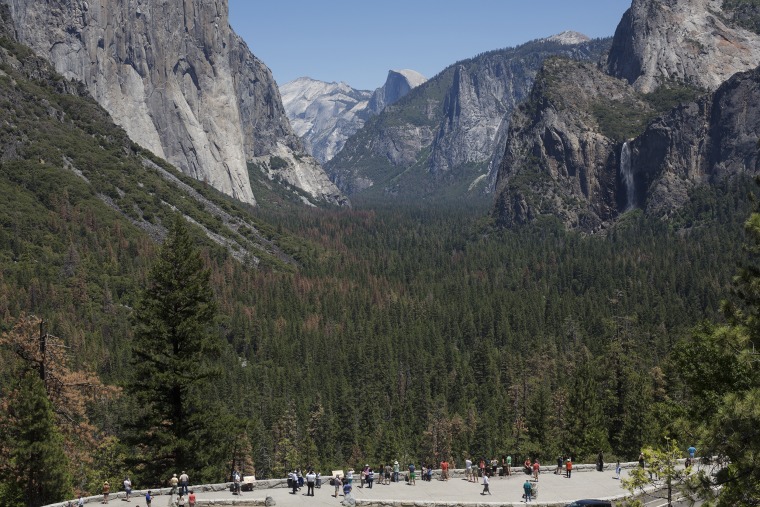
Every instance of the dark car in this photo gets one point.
(582, 503)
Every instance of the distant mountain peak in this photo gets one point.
(568, 37)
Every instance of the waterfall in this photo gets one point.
(627, 176)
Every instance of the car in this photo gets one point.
(583, 503)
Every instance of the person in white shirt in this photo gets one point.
(485, 485)
(127, 488)
(311, 478)
(468, 470)
(184, 481)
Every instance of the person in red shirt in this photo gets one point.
(445, 470)
(536, 469)
(191, 499)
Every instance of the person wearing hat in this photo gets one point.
(106, 491)
(173, 483)
(395, 471)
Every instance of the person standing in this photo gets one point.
(173, 482)
(80, 503)
(148, 498)
(191, 499)
(569, 467)
(395, 471)
(127, 488)
(311, 479)
(412, 480)
(692, 452)
(444, 470)
(600, 461)
(370, 477)
(184, 481)
(485, 485)
(617, 470)
(106, 491)
(293, 476)
(528, 489)
(536, 469)
(338, 484)
(641, 459)
(347, 489)
(468, 469)
(509, 465)
(558, 471)
(387, 477)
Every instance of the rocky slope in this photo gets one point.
(325, 115)
(700, 142)
(561, 157)
(177, 78)
(442, 136)
(397, 85)
(699, 42)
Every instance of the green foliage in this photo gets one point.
(37, 472)
(746, 13)
(662, 474)
(176, 353)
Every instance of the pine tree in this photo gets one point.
(36, 471)
(174, 359)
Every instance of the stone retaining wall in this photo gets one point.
(283, 483)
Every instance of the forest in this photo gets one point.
(405, 332)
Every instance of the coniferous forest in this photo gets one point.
(389, 331)
(402, 333)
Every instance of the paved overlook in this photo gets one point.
(553, 490)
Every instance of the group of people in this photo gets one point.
(296, 481)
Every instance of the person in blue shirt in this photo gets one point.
(692, 451)
(347, 489)
(528, 487)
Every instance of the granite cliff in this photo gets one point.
(325, 115)
(698, 42)
(442, 137)
(178, 79)
(655, 123)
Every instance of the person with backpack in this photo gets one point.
(412, 480)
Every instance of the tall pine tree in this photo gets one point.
(36, 470)
(175, 357)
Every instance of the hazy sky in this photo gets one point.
(358, 41)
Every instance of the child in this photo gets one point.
(485, 485)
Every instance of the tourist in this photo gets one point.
(430, 473)
(173, 483)
(509, 464)
(617, 470)
(600, 461)
(387, 476)
(181, 501)
(293, 478)
(395, 471)
(482, 467)
(350, 476)
(485, 485)
(106, 491)
(558, 471)
(337, 483)
(191, 499)
(311, 479)
(494, 467)
(370, 477)
(184, 481)
(528, 489)
(347, 489)
(80, 503)
(412, 480)
(363, 476)
(468, 469)
(148, 498)
(536, 469)
(641, 459)
(692, 452)
(127, 488)
(569, 467)
(444, 470)
(235, 482)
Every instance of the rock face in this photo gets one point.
(397, 85)
(559, 160)
(445, 133)
(694, 41)
(323, 114)
(175, 76)
(700, 142)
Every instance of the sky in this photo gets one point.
(359, 41)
